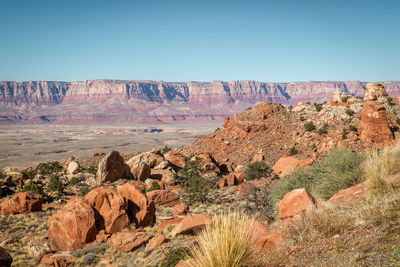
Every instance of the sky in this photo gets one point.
(191, 40)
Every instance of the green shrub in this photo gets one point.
(74, 180)
(55, 184)
(29, 174)
(318, 107)
(338, 170)
(309, 126)
(35, 188)
(350, 112)
(352, 128)
(344, 99)
(50, 167)
(166, 149)
(390, 101)
(344, 133)
(293, 151)
(84, 190)
(92, 170)
(323, 129)
(173, 256)
(154, 186)
(257, 170)
(302, 118)
(195, 186)
(398, 121)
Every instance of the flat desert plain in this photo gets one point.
(24, 146)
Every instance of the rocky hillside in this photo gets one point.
(308, 202)
(149, 101)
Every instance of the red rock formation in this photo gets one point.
(73, 226)
(111, 206)
(112, 167)
(350, 195)
(156, 241)
(23, 202)
(191, 224)
(140, 209)
(286, 165)
(5, 258)
(127, 241)
(166, 222)
(180, 209)
(295, 202)
(165, 198)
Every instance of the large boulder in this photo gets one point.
(5, 258)
(265, 239)
(285, 165)
(112, 208)
(191, 224)
(374, 127)
(127, 241)
(175, 159)
(142, 172)
(151, 158)
(164, 198)
(295, 202)
(73, 226)
(73, 167)
(112, 167)
(23, 202)
(169, 221)
(156, 241)
(140, 210)
(180, 209)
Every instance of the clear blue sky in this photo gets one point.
(200, 40)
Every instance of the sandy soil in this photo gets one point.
(28, 145)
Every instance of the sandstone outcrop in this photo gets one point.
(112, 208)
(127, 241)
(295, 202)
(180, 209)
(265, 239)
(374, 127)
(140, 210)
(151, 158)
(142, 172)
(73, 226)
(350, 195)
(165, 198)
(167, 222)
(175, 159)
(285, 165)
(191, 224)
(23, 202)
(73, 167)
(112, 167)
(156, 241)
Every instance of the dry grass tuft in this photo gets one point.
(379, 166)
(318, 223)
(227, 242)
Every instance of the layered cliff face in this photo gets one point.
(113, 100)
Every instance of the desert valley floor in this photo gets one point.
(27, 145)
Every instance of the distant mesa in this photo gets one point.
(157, 102)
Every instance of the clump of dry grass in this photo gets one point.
(226, 242)
(379, 166)
(317, 223)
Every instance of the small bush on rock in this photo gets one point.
(92, 170)
(74, 180)
(173, 256)
(50, 167)
(350, 112)
(166, 149)
(257, 170)
(154, 186)
(35, 188)
(318, 107)
(293, 151)
(309, 126)
(56, 184)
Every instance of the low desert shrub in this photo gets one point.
(50, 167)
(390, 101)
(55, 184)
(318, 107)
(352, 128)
(173, 256)
(309, 126)
(227, 241)
(350, 112)
(323, 129)
(345, 132)
(293, 151)
(154, 186)
(398, 121)
(257, 170)
(166, 149)
(29, 174)
(379, 166)
(338, 170)
(74, 180)
(318, 223)
(92, 170)
(35, 188)
(302, 118)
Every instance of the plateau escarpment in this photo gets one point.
(151, 101)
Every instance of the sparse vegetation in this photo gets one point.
(154, 186)
(226, 242)
(350, 112)
(318, 107)
(29, 174)
(50, 167)
(352, 128)
(302, 118)
(35, 188)
(323, 129)
(398, 121)
(74, 180)
(92, 170)
(257, 170)
(166, 149)
(293, 151)
(173, 256)
(344, 99)
(390, 101)
(345, 132)
(55, 184)
(309, 126)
